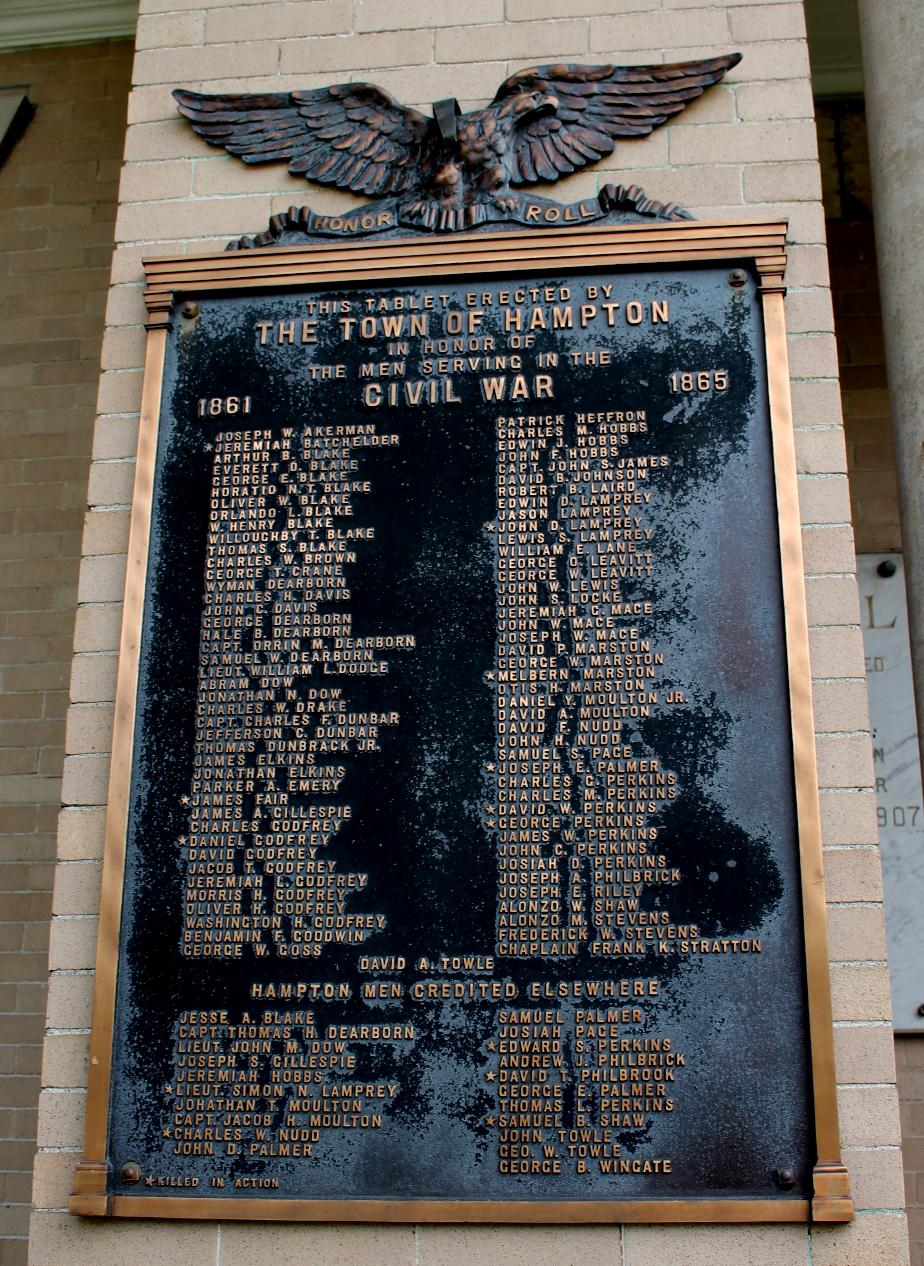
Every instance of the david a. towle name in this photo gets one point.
(447, 339)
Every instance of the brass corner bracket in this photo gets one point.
(831, 1202)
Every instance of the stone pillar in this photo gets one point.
(893, 70)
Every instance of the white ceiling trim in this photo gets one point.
(834, 47)
(838, 81)
(31, 23)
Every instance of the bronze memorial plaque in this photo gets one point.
(463, 821)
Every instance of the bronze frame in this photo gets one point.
(758, 243)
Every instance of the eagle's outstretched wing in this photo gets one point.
(355, 136)
(588, 107)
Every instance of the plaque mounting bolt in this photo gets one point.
(130, 1172)
(886, 568)
(190, 309)
(785, 1177)
(737, 278)
(921, 1009)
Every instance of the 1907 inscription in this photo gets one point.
(462, 856)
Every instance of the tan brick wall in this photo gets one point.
(748, 147)
(909, 1055)
(57, 208)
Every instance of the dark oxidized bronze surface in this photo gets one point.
(470, 824)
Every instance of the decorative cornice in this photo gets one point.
(39, 23)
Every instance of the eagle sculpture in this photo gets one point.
(453, 170)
